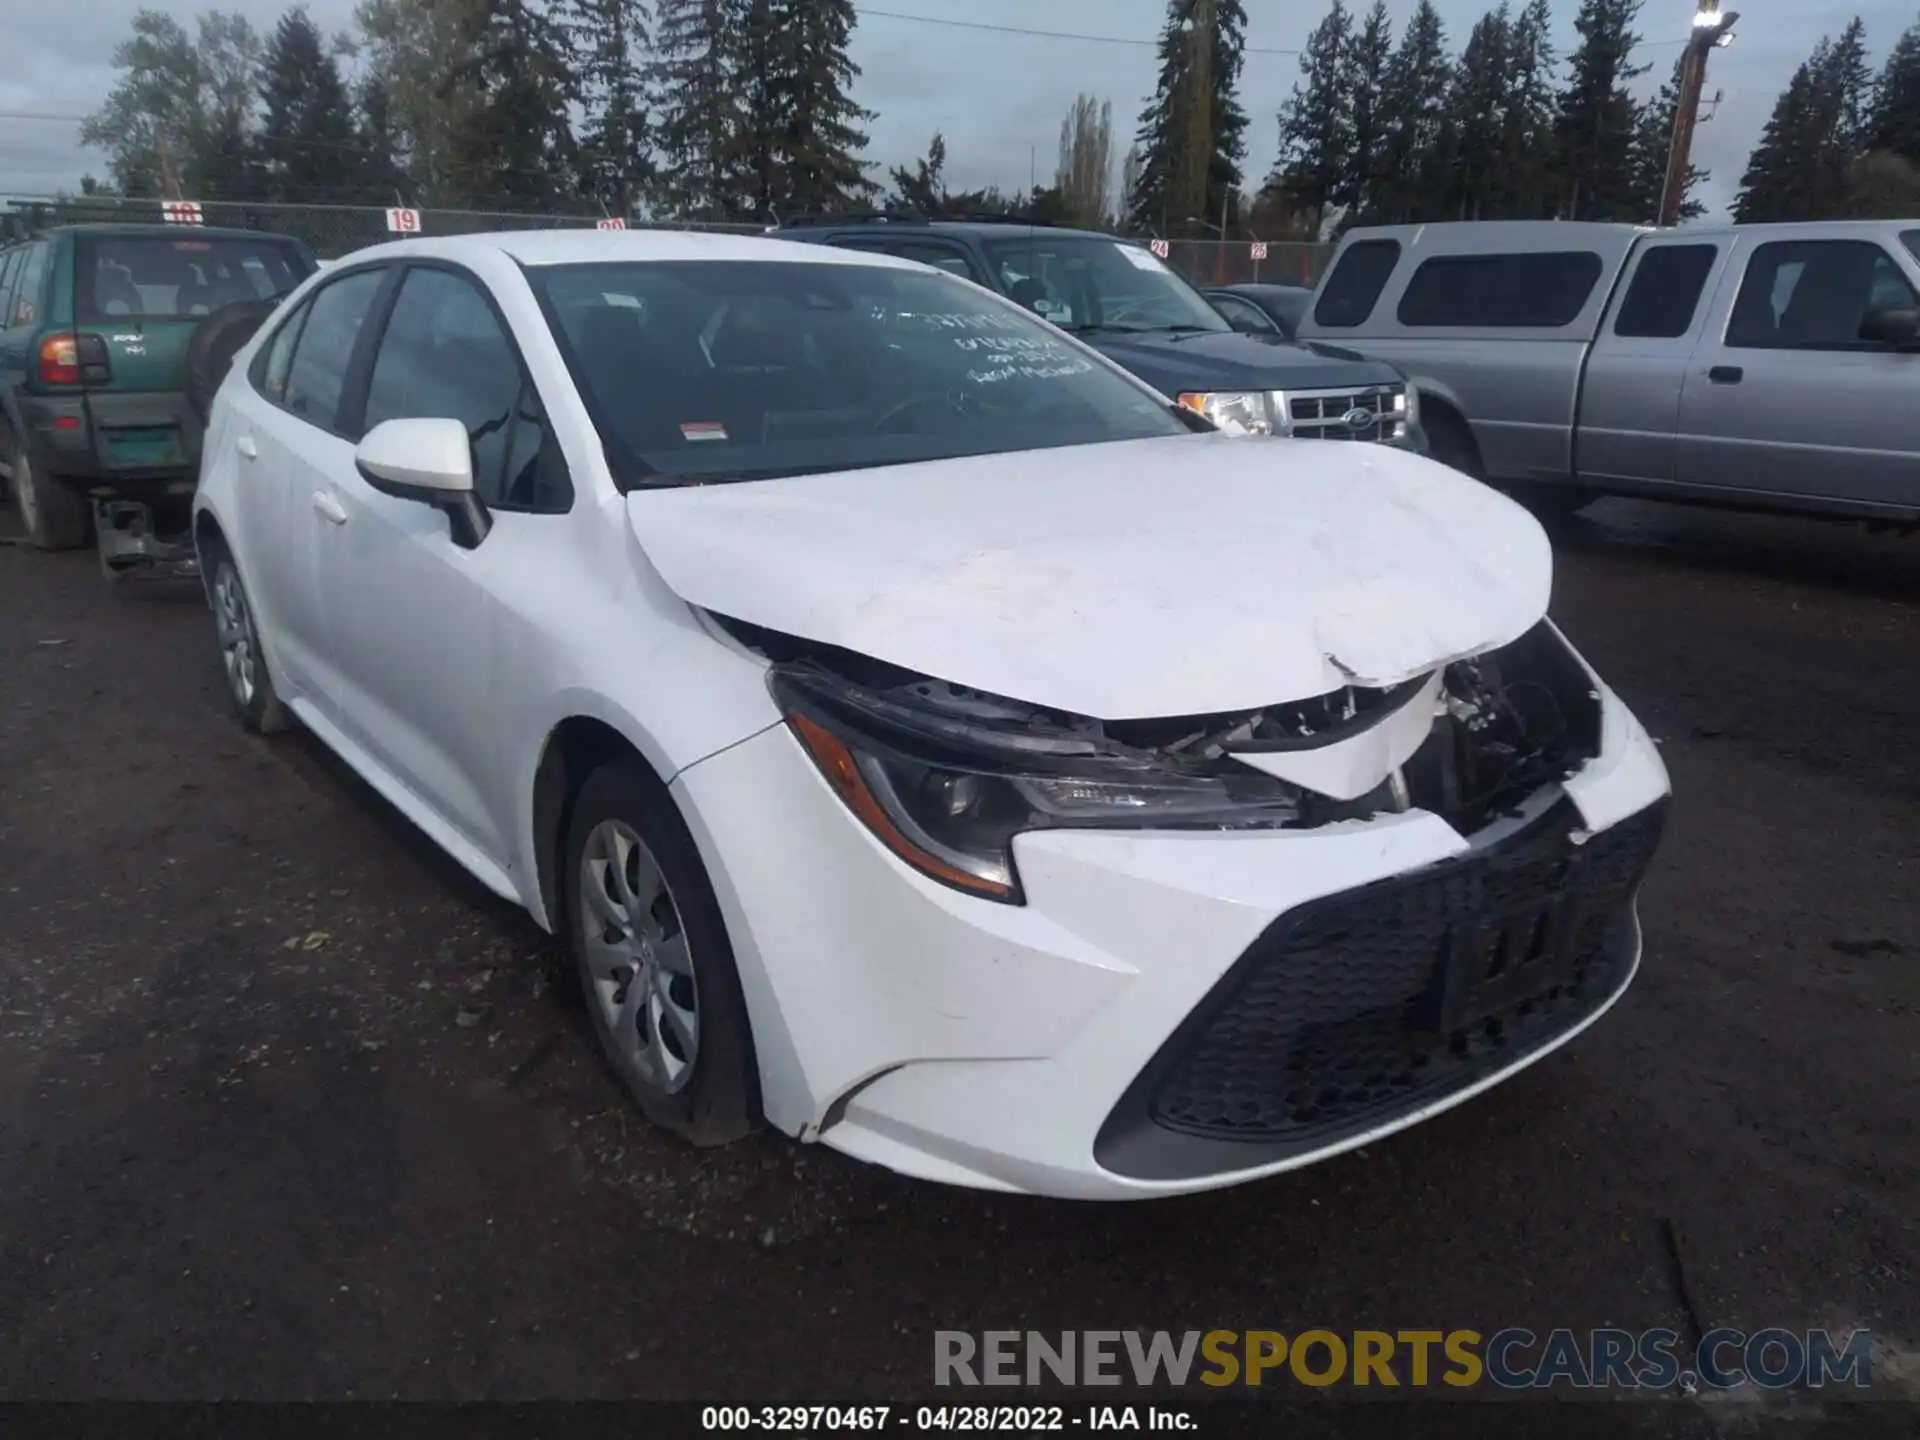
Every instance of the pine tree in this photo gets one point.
(1800, 168)
(606, 41)
(922, 189)
(799, 146)
(1365, 73)
(308, 146)
(1192, 147)
(1598, 114)
(1477, 105)
(1413, 107)
(1316, 128)
(1524, 188)
(1895, 121)
(698, 116)
(516, 148)
(1652, 147)
(1853, 92)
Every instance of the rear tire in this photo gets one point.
(249, 684)
(55, 516)
(655, 963)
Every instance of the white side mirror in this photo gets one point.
(428, 461)
(428, 455)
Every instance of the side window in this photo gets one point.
(1665, 292)
(1911, 239)
(1528, 291)
(927, 252)
(1814, 294)
(445, 356)
(26, 294)
(9, 267)
(1353, 289)
(1244, 316)
(278, 358)
(325, 346)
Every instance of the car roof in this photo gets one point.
(585, 247)
(179, 232)
(980, 229)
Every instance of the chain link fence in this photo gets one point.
(1239, 262)
(332, 231)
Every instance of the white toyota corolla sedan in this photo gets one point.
(927, 738)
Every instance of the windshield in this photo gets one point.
(160, 277)
(746, 370)
(1085, 284)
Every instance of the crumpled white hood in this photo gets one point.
(1184, 576)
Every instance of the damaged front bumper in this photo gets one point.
(1054, 1046)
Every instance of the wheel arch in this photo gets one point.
(1442, 411)
(571, 749)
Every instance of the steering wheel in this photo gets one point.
(958, 402)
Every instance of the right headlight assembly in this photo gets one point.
(946, 783)
(1251, 410)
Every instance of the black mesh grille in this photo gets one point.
(1375, 1002)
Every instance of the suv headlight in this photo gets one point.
(947, 792)
(1252, 410)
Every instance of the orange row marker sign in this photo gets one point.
(181, 212)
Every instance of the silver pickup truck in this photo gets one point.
(1769, 366)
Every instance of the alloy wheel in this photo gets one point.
(235, 628)
(640, 967)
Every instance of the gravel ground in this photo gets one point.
(289, 1107)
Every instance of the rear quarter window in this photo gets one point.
(1544, 290)
(1353, 289)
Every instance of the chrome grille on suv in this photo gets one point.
(1333, 414)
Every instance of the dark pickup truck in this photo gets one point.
(112, 338)
(1118, 297)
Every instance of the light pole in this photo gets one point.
(1711, 30)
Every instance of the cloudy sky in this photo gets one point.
(996, 96)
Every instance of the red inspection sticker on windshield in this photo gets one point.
(703, 430)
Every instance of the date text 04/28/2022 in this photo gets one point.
(975, 1419)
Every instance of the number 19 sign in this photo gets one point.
(403, 222)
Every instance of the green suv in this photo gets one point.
(112, 341)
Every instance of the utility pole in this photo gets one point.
(1711, 30)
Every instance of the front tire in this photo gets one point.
(53, 515)
(250, 688)
(657, 970)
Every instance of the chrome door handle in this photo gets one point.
(329, 508)
(248, 450)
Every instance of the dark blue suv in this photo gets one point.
(1117, 296)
